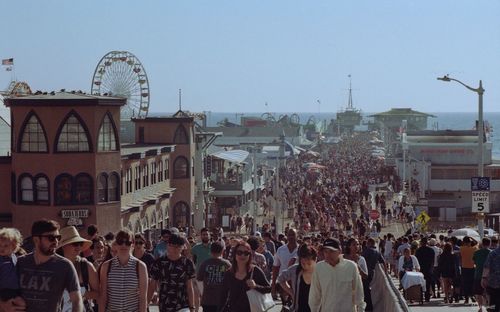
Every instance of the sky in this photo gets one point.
(236, 56)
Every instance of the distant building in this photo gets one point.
(4, 137)
(391, 124)
(442, 163)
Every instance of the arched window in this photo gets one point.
(113, 183)
(102, 188)
(107, 136)
(26, 189)
(181, 136)
(181, 214)
(83, 189)
(63, 189)
(73, 136)
(33, 138)
(181, 168)
(167, 171)
(42, 189)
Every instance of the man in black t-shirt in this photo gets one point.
(175, 274)
(425, 256)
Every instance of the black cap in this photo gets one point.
(332, 243)
(176, 239)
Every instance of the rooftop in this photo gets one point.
(54, 98)
(142, 150)
(402, 112)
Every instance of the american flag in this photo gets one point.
(8, 62)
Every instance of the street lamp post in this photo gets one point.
(480, 91)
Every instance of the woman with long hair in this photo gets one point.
(353, 253)
(242, 277)
(300, 276)
(447, 271)
(124, 279)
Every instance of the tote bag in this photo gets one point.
(259, 302)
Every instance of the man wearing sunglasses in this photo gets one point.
(44, 275)
(174, 274)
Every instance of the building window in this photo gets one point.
(153, 173)
(42, 189)
(181, 168)
(181, 136)
(145, 175)
(107, 136)
(73, 137)
(113, 181)
(129, 180)
(137, 177)
(160, 171)
(181, 214)
(33, 137)
(102, 188)
(83, 189)
(63, 189)
(26, 189)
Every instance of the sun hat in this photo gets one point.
(69, 235)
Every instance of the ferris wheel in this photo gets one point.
(120, 73)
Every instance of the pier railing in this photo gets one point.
(385, 295)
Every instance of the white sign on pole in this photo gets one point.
(481, 201)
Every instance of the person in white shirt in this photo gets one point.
(284, 257)
(335, 281)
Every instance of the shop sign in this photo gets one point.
(75, 216)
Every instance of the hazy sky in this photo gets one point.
(238, 55)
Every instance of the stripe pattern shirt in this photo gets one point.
(123, 286)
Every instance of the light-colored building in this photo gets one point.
(443, 163)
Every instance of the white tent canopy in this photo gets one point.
(236, 156)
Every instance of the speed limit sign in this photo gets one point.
(480, 187)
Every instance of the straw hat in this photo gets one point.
(69, 235)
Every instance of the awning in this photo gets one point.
(228, 193)
(236, 156)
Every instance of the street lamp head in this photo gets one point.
(444, 78)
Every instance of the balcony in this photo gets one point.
(227, 182)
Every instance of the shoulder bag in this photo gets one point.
(259, 302)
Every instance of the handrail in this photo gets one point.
(385, 295)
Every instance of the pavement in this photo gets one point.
(276, 308)
(435, 304)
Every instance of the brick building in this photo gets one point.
(66, 163)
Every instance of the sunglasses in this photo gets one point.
(242, 253)
(124, 242)
(77, 244)
(139, 242)
(51, 237)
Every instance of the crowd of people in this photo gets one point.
(326, 258)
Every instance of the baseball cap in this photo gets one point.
(332, 243)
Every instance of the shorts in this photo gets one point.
(477, 288)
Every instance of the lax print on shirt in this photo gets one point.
(42, 285)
